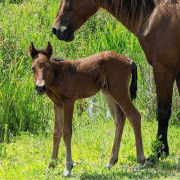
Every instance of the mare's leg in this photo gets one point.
(164, 86)
(178, 82)
(122, 98)
(67, 134)
(59, 117)
(119, 120)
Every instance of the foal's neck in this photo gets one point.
(56, 66)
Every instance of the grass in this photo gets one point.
(26, 119)
(27, 156)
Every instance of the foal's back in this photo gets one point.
(107, 62)
(91, 74)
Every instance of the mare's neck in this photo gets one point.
(131, 17)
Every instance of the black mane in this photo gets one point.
(133, 13)
(58, 59)
(129, 8)
(136, 7)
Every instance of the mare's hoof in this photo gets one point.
(139, 167)
(151, 161)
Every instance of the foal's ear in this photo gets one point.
(32, 51)
(49, 49)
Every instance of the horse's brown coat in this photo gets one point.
(66, 81)
(156, 23)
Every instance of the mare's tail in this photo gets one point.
(133, 86)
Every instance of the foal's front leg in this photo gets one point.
(59, 119)
(68, 106)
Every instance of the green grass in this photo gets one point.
(26, 119)
(27, 156)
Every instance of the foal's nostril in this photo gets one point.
(54, 30)
(41, 89)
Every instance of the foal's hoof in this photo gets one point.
(47, 171)
(53, 163)
(111, 162)
(67, 170)
(109, 166)
(66, 173)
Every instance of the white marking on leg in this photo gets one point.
(109, 165)
(68, 166)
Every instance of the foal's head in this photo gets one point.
(70, 16)
(41, 66)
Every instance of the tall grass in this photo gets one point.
(23, 21)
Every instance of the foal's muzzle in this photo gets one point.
(41, 89)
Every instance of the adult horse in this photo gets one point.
(156, 23)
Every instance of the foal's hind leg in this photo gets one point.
(119, 121)
(134, 118)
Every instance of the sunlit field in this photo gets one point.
(26, 119)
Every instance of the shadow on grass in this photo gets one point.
(161, 170)
(116, 175)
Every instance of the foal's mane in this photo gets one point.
(57, 59)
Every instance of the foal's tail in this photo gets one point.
(133, 87)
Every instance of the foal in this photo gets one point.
(66, 81)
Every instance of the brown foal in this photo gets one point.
(66, 81)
